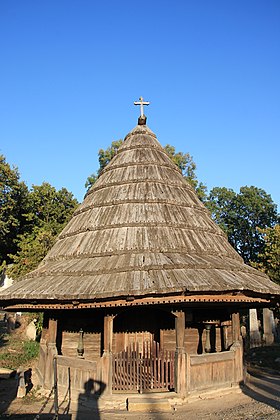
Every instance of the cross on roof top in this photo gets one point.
(141, 102)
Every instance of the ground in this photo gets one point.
(258, 399)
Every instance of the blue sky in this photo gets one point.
(70, 71)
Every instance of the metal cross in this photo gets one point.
(141, 102)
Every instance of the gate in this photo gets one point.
(143, 367)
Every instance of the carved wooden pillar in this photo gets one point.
(180, 354)
(207, 347)
(52, 331)
(224, 335)
(51, 351)
(236, 334)
(237, 347)
(180, 330)
(107, 353)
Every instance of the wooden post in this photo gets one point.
(107, 353)
(180, 374)
(108, 333)
(237, 347)
(236, 334)
(207, 347)
(224, 335)
(55, 396)
(51, 352)
(52, 331)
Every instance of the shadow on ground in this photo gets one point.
(32, 416)
(263, 386)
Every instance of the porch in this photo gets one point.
(145, 365)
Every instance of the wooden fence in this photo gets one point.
(143, 367)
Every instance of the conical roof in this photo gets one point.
(140, 231)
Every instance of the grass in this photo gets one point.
(18, 354)
(15, 349)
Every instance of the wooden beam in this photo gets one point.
(107, 354)
(52, 330)
(180, 330)
(108, 333)
(236, 334)
(180, 374)
(139, 301)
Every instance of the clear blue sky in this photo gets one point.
(70, 71)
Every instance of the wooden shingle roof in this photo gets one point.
(140, 231)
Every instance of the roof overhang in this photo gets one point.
(192, 300)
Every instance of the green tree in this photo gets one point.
(33, 247)
(104, 156)
(183, 160)
(269, 260)
(242, 216)
(90, 181)
(49, 211)
(13, 205)
(49, 207)
(220, 203)
(185, 163)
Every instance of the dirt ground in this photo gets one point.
(259, 399)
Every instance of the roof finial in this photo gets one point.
(142, 119)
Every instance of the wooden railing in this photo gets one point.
(76, 372)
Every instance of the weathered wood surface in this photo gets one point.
(76, 373)
(42, 363)
(140, 230)
(202, 359)
(143, 368)
(122, 341)
(193, 343)
(211, 370)
(92, 345)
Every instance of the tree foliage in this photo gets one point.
(183, 160)
(187, 166)
(48, 212)
(33, 247)
(49, 207)
(269, 260)
(104, 156)
(13, 205)
(29, 220)
(242, 216)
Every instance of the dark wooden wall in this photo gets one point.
(195, 339)
(136, 325)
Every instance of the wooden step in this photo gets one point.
(148, 405)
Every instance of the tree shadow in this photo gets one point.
(9, 388)
(3, 332)
(264, 388)
(3, 340)
(9, 392)
(89, 399)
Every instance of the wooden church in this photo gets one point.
(141, 291)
